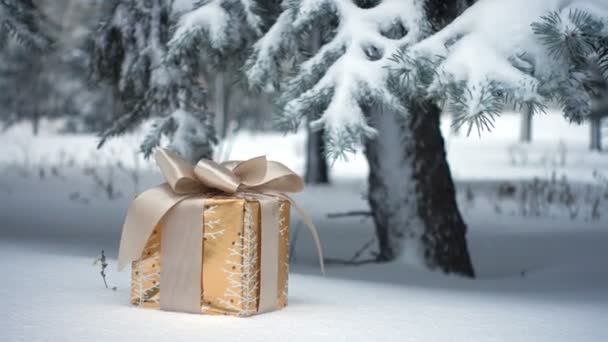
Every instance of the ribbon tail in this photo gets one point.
(311, 227)
(143, 215)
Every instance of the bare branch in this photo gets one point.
(350, 213)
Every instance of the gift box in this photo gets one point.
(230, 276)
(214, 239)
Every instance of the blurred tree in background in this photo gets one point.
(44, 70)
(22, 20)
(129, 54)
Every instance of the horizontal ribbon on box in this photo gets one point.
(180, 202)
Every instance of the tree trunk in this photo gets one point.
(35, 124)
(526, 126)
(221, 102)
(316, 163)
(411, 192)
(596, 133)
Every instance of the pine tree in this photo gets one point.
(49, 82)
(130, 53)
(20, 19)
(496, 55)
(342, 88)
(22, 70)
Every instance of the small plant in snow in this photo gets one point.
(538, 196)
(562, 152)
(101, 260)
(599, 195)
(133, 173)
(518, 155)
(556, 197)
(506, 190)
(77, 197)
(105, 184)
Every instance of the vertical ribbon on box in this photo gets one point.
(180, 204)
(269, 258)
(182, 256)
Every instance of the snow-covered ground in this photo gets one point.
(541, 277)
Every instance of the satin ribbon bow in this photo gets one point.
(253, 176)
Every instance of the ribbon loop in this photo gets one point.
(251, 172)
(216, 176)
(254, 175)
(179, 173)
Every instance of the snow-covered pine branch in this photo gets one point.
(516, 52)
(130, 52)
(21, 19)
(333, 86)
(217, 31)
(263, 68)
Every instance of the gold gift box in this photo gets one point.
(231, 259)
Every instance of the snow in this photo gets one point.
(189, 136)
(211, 17)
(182, 6)
(539, 278)
(253, 20)
(497, 155)
(65, 301)
(218, 20)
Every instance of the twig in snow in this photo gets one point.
(134, 173)
(104, 184)
(331, 261)
(354, 259)
(102, 260)
(350, 213)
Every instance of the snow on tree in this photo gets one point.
(346, 72)
(342, 87)
(213, 40)
(130, 51)
(219, 31)
(522, 53)
(21, 19)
